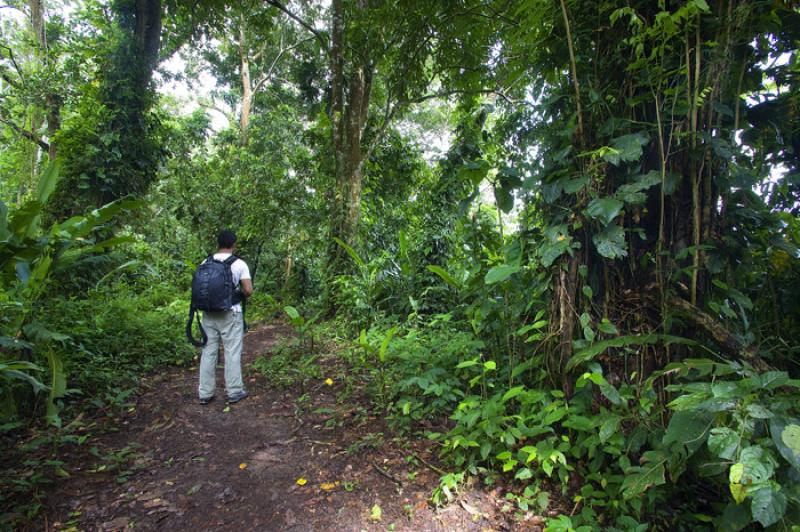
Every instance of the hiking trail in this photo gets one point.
(294, 459)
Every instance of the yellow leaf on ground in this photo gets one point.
(329, 381)
(327, 486)
(242, 466)
(301, 482)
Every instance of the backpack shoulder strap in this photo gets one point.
(230, 260)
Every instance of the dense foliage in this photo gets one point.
(559, 239)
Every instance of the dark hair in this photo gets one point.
(226, 239)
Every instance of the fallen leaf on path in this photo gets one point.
(290, 518)
(242, 466)
(116, 524)
(154, 503)
(376, 514)
(327, 486)
(329, 381)
(471, 509)
(301, 482)
(226, 409)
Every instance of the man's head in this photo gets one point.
(226, 239)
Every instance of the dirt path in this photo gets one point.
(179, 465)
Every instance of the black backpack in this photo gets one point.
(212, 290)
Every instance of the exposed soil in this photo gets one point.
(186, 466)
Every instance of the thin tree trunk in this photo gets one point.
(574, 70)
(40, 52)
(696, 172)
(567, 285)
(247, 89)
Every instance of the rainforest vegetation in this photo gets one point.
(559, 238)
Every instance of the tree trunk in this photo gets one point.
(37, 23)
(348, 119)
(148, 35)
(37, 26)
(565, 292)
(247, 88)
(53, 103)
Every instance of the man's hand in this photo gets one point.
(247, 287)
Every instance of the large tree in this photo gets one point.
(635, 117)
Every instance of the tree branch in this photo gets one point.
(272, 66)
(25, 133)
(13, 62)
(445, 94)
(320, 37)
(721, 336)
(14, 83)
(211, 105)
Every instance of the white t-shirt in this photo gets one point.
(239, 271)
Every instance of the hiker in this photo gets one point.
(227, 325)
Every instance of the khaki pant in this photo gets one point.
(229, 327)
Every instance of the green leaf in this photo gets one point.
(627, 148)
(531, 451)
(604, 209)
(723, 442)
(587, 354)
(500, 273)
(734, 518)
(609, 427)
(58, 384)
(639, 479)
(786, 436)
(486, 448)
(385, 343)
(47, 183)
(490, 365)
(571, 186)
(607, 327)
(81, 226)
(513, 392)
(474, 171)
(445, 276)
(523, 474)
(376, 513)
(610, 242)
(632, 192)
(768, 505)
(688, 429)
(791, 438)
(350, 251)
(504, 198)
(292, 312)
(758, 465)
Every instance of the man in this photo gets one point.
(228, 326)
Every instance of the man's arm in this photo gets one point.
(247, 287)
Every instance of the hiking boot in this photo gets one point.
(237, 397)
(206, 400)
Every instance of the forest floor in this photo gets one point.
(282, 459)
